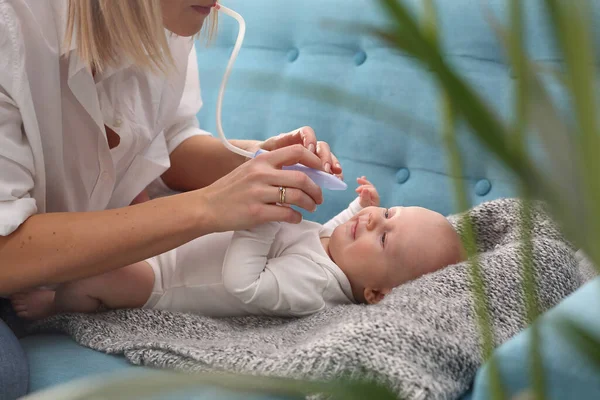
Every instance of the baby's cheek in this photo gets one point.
(368, 255)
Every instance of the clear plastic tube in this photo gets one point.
(234, 54)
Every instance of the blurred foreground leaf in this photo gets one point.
(143, 385)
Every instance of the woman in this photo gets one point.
(98, 103)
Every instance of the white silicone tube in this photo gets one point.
(234, 54)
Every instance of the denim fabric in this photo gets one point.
(14, 370)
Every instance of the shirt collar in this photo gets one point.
(60, 9)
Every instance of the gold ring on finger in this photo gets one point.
(281, 195)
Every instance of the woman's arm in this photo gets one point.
(58, 247)
(201, 160)
(41, 249)
(197, 158)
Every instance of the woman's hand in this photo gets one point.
(247, 196)
(307, 138)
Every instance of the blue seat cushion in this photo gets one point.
(56, 359)
(568, 374)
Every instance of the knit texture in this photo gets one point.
(421, 340)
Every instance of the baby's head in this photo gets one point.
(379, 249)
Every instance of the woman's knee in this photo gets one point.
(14, 370)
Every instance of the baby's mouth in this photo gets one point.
(354, 228)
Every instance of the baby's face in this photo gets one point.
(382, 248)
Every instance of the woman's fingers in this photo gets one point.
(298, 182)
(291, 196)
(283, 214)
(306, 137)
(289, 179)
(282, 140)
(248, 195)
(309, 138)
(324, 153)
(291, 155)
(336, 167)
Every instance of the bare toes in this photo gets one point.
(36, 304)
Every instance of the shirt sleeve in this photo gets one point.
(185, 122)
(344, 216)
(288, 285)
(16, 157)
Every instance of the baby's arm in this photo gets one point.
(367, 196)
(345, 215)
(291, 284)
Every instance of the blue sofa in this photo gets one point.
(289, 41)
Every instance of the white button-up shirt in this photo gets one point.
(54, 154)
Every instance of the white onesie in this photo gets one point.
(274, 269)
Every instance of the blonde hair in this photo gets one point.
(106, 31)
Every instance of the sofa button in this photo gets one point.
(483, 187)
(402, 175)
(292, 55)
(360, 58)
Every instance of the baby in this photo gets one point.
(274, 269)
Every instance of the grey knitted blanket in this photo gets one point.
(421, 341)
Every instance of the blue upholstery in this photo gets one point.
(567, 374)
(289, 41)
(57, 358)
(14, 370)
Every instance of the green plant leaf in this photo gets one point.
(574, 35)
(468, 236)
(587, 343)
(561, 157)
(141, 385)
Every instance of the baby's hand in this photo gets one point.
(367, 193)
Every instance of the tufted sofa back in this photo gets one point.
(289, 42)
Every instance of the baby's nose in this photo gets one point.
(372, 222)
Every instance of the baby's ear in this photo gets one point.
(374, 296)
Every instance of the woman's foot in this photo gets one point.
(37, 304)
